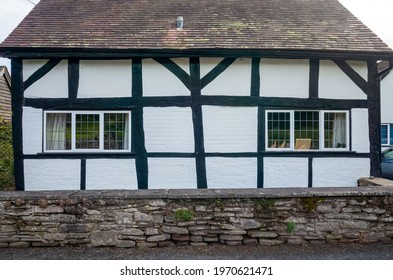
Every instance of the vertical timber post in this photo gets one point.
(17, 126)
(195, 86)
(374, 118)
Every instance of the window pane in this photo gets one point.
(391, 134)
(335, 130)
(306, 130)
(58, 131)
(116, 131)
(384, 134)
(279, 132)
(87, 130)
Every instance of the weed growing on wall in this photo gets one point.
(6, 158)
(184, 215)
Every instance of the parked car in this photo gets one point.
(387, 164)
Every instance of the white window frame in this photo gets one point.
(73, 132)
(321, 131)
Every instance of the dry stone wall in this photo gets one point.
(144, 218)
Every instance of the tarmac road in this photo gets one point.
(373, 251)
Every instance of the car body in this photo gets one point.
(387, 163)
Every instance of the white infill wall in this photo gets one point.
(32, 130)
(285, 172)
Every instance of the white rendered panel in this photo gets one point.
(231, 172)
(387, 99)
(172, 173)
(235, 80)
(105, 78)
(32, 130)
(360, 135)
(159, 81)
(339, 172)
(335, 84)
(284, 78)
(168, 129)
(285, 172)
(110, 174)
(53, 85)
(230, 129)
(52, 174)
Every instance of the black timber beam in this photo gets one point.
(353, 75)
(176, 70)
(17, 126)
(41, 72)
(216, 71)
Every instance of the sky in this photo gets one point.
(376, 14)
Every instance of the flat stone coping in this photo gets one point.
(202, 193)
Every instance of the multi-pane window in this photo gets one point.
(387, 134)
(87, 131)
(307, 130)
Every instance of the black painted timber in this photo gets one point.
(353, 75)
(83, 174)
(310, 171)
(41, 72)
(314, 78)
(17, 125)
(195, 83)
(129, 103)
(255, 77)
(216, 71)
(138, 133)
(73, 78)
(374, 118)
(176, 70)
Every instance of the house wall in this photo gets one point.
(188, 137)
(387, 99)
(5, 96)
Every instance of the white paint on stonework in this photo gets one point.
(284, 78)
(168, 129)
(339, 172)
(159, 81)
(231, 172)
(53, 85)
(360, 135)
(52, 174)
(172, 173)
(285, 172)
(111, 174)
(234, 81)
(32, 130)
(105, 78)
(230, 129)
(335, 84)
(387, 99)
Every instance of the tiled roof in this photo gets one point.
(208, 24)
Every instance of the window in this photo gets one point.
(387, 134)
(87, 131)
(307, 130)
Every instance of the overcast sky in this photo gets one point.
(376, 14)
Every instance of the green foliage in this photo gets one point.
(6, 158)
(264, 205)
(309, 204)
(184, 215)
(291, 227)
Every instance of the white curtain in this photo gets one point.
(126, 132)
(339, 128)
(56, 129)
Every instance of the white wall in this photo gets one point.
(168, 129)
(172, 173)
(284, 78)
(235, 80)
(360, 135)
(387, 99)
(230, 129)
(111, 174)
(285, 172)
(53, 85)
(105, 78)
(159, 81)
(231, 172)
(335, 84)
(52, 174)
(32, 130)
(339, 172)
